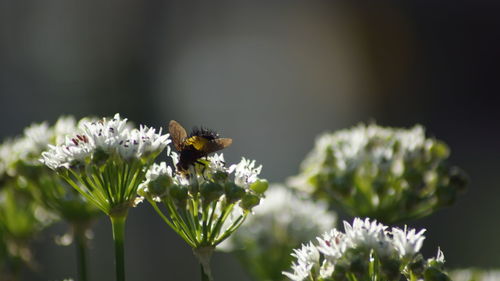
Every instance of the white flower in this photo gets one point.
(307, 260)
(245, 172)
(154, 172)
(111, 137)
(369, 234)
(332, 244)
(408, 243)
(39, 135)
(216, 163)
(9, 154)
(362, 237)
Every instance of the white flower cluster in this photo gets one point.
(244, 174)
(346, 150)
(320, 261)
(390, 174)
(282, 219)
(107, 136)
(35, 139)
(207, 203)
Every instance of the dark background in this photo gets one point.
(271, 75)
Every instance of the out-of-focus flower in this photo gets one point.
(42, 195)
(206, 204)
(279, 224)
(475, 275)
(366, 251)
(390, 174)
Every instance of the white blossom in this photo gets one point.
(408, 243)
(245, 172)
(109, 136)
(307, 261)
(359, 239)
(369, 234)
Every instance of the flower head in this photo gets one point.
(97, 140)
(206, 203)
(367, 250)
(105, 159)
(390, 174)
(307, 263)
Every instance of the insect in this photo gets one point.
(198, 144)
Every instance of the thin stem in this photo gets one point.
(204, 276)
(118, 224)
(81, 252)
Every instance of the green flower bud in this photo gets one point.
(259, 186)
(159, 186)
(435, 274)
(439, 150)
(234, 192)
(210, 191)
(220, 177)
(249, 201)
(179, 194)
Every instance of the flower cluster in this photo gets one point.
(367, 250)
(386, 173)
(104, 160)
(279, 224)
(206, 204)
(475, 275)
(100, 140)
(32, 196)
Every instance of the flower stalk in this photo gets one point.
(81, 251)
(118, 225)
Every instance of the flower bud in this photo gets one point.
(249, 201)
(233, 192)
(435, 274)
(180, 194)
(210, 191)
(220, 176)
(159, 186)
(259, 186)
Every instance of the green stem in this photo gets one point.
(204, 276)
(118, 224)
(81, 252)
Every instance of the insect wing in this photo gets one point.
(217, 144)
(178, 134)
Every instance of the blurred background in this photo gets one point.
(271, 75)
